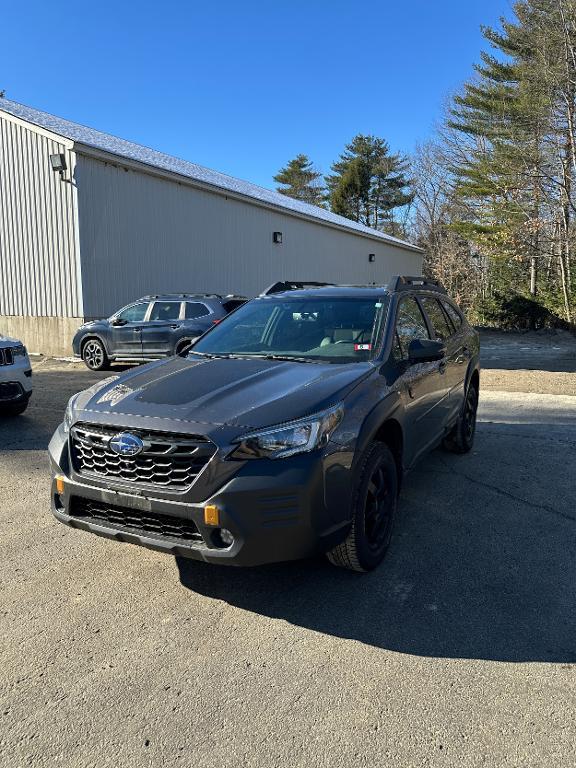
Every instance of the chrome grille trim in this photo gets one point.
(168, 460)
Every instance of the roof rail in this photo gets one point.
(407, 283)
(292, 285)
(183, 296)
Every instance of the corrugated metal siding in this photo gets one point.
(81, 135)
(142, 234)
(38, 253)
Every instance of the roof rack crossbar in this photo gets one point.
(292, 285)
(408, 282)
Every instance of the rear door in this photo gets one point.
(421, 385)
(461, 343)
(159, 332)
(453, 370)
(126, 330)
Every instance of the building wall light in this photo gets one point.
(58, 164)
(277, 237)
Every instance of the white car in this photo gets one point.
(15, 376)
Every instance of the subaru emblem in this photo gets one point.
(126, 444)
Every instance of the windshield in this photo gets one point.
(338, 330)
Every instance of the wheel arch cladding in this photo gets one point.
(390, 433)
(474, 379)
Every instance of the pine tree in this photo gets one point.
(300, 180)
(516, 159)
(368, 182)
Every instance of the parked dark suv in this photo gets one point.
(286, 431)
(152, 327)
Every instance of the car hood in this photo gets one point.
(232, 392)
(7, 341)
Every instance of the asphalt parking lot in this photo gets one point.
(459, 650)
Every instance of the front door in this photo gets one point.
(158, 332)
(126, 330)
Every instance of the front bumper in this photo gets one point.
(276, 510)
(15, 382)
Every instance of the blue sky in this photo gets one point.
(244, 86)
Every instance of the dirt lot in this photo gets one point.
(459, 651)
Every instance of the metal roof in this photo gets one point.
(103, 142)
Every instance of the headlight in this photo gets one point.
(19, 351)
(68, 414)
(288, 439)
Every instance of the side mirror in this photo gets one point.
(118, 321)
(185, 348)
(425, 351)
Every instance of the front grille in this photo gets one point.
(134, 520)
(10, 391)
(167, 461)
(6, 357)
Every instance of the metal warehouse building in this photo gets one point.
(89, 222)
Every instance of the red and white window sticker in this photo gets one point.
(362, 347)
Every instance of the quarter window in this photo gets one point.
(134, 313)
(410, 325)
(440, 324)
(195, 309)
(165, 310)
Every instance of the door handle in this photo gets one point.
(464, 355)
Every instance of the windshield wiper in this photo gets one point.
(288, 358)
(213, 355)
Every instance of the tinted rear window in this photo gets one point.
(442, 328)
(195, 309)
(453, 314)
(165, 310)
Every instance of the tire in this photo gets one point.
(14, 410)
(369, 537)
(94, 355)
(461, 438)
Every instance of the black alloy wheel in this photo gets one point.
(373, 512)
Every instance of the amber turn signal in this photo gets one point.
(211, 515)
(59, 484)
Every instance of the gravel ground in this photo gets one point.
(459, 651)
(542, 362)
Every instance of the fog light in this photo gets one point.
(59, 484)
(211, 515)
(226, 537)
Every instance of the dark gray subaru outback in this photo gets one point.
(285, 432)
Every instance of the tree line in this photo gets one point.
(368, 183)
(491, 197)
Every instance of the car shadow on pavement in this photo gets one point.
(482, 566)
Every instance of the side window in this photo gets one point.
(440, 324)
(134, 314)
(453, 314)
(165, 310)
(195, 309)
(410, 325)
